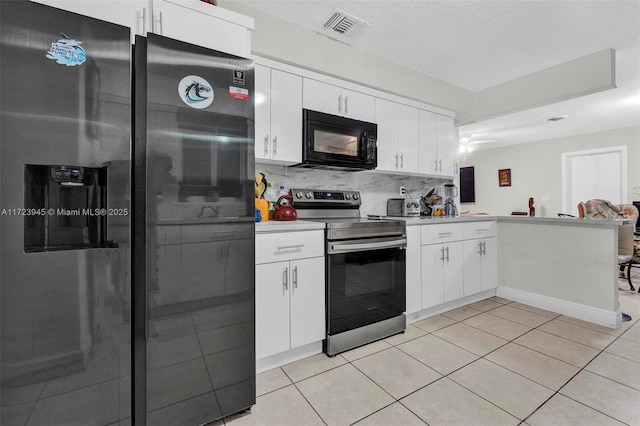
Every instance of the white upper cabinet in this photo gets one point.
(436, 139)
(203, 24)
(135, 14)
(398, 137)
(336, 100)
(278, 116)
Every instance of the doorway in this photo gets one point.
(596, 173)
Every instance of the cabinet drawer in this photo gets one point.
(482, 229)
(289, 246)
(440, 233)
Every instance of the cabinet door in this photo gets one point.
(446, 153)
(472, 266)
(307, 301)
(414, 273)
(272, 308)
(428, 141)
(489, 264)
(432, 275)
(322, 97)
(358, 106)
(453, 271)
(135, 14)
(194, 22)
(286, 117)
(262, 101)
(387, 119)
(408, 139)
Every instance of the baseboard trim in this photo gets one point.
(282, 358)
(611, 319)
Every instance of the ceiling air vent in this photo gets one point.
(343, 26)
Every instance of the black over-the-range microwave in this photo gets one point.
(334, 142)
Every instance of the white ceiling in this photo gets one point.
(477, 44)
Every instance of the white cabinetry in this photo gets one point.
(414, 284)
(278, 99)
(458, 260)
(336, 100)
(135, 14)
(436, 136)
(398, 137)
(290, 301)
(442, 264)
(480, 257)
(203, 24)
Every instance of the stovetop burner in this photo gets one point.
(340, 211)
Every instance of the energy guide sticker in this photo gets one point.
(238, 93)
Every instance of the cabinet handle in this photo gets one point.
(440, 168)
(447, 253)
(159, 21)
(294, 278)
(480, 248)
(339, 104)
(435, 166)
(346, 105)
(444, 234)
(442, 254)
(484, 248)
(482, 229)
(285, 278)
(402, 161)
(296, 247)
(396, 161)
(266, 145)
(143, 17)
(275, 146)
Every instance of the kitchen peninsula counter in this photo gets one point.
(565, 265)
(287, 226)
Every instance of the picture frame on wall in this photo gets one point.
(504, 177)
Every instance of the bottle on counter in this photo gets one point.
(282, 191)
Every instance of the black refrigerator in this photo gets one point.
(126, 227)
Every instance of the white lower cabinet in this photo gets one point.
(414, 284)
(480, 265)
(290, 291)
(442, 273)
(457, 260)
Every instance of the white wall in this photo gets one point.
(285, 42)
(536, 170)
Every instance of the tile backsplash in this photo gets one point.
(375, 188)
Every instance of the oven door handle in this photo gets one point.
(338, 247)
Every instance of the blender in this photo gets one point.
(450, 191)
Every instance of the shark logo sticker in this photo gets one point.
(67, 51)
(195, 91)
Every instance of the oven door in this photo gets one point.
(366, 282)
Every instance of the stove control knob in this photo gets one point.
(356, 196)
(308, 195)
(298, 194)
(347, 196)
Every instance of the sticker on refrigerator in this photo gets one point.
(238, 77)
(195, 91)
(238, 93)
(67, 51)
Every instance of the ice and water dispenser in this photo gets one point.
(65, 208)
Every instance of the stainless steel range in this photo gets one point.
(365, 269)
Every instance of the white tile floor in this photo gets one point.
(493, 362)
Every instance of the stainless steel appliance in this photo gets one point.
(126, 287)
(365, 269)
(404, 207)
(333, 142)
(194, 231)
(65, 233)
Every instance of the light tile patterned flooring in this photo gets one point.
(494, 362)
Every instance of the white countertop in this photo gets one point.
(287, 226)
